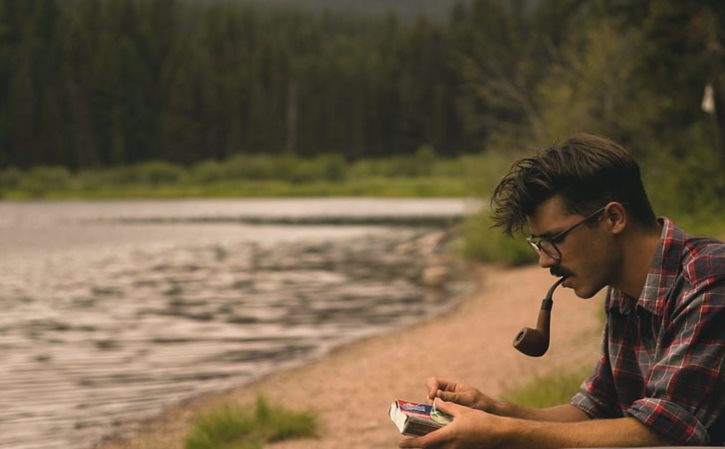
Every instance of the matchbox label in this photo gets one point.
(415, 407)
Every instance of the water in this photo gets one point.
(114, 310)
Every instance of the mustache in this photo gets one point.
(560, 272)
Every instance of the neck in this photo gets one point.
(639, 246)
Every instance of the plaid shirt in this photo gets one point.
(663, 355)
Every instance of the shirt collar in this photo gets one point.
(661, 275)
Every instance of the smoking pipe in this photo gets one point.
(535, 342)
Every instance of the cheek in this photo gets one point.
(601, 262)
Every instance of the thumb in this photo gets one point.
(451, 408)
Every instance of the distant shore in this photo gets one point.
(351, 388)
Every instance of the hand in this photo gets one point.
(459, 393)
(469, 428)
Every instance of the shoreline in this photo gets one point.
(351, 387)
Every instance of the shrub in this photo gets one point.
(424, 161)
(333, 167)
(294, 169)
(483, 243)
(405, 166)
(157, 172)
(252, 167)
(51, 176)
(92, 179)
(549, 391)
(686, 186)
(208, 171)
(122, 175)
(234, 427)
(10, 178)
(286, 168)
(43, 179)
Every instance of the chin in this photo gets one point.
(584, 293)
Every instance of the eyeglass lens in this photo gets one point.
(549, 248)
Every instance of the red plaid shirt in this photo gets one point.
(663, 355)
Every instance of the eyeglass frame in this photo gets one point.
(559, 237)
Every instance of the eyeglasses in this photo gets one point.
(547, 245)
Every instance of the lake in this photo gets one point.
(113, 310)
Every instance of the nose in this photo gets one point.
(546, 261)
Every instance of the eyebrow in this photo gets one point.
(546, 235)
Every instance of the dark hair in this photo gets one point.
(588, 171)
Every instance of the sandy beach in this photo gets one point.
(351, 388)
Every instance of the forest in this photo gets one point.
(101, 84)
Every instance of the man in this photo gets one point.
(660, 379)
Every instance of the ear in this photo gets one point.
(615, 216)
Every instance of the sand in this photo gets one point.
(352, 388)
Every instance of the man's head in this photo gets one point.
(586, 171)
(582, 200)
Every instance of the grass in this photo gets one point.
(418, 175)
(232, 426)
(426, 186)
(548, 391)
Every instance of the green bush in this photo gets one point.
(153, 173)
(548, 391)
(51, 177)
(686, 187)
(483, 243)
(285, 168)
(234, 427)
(451, 167)
(10, 178)
(405, 166)
(424, 161)
(119, 176)
(43, 179)
(334, 167)
(208, 171)
(485, 170)
(157, 173)
(297, 170)
(244, 166)
(92, 179)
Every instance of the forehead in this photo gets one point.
(549, 216)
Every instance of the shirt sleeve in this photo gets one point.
(597, 396)
(685, 387)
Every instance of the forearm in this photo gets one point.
(619, 432)
(560, 413)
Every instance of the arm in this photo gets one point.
(559, 413)
(615, 432)
(474, 428)
(686, 383)
(463, 394)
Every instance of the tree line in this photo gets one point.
(104, 83)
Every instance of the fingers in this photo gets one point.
(431, 440)
(436, 385)
(450, 395)
(411, 442)
(447, 396)
(433, 385)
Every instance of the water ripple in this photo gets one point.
(94, 340)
